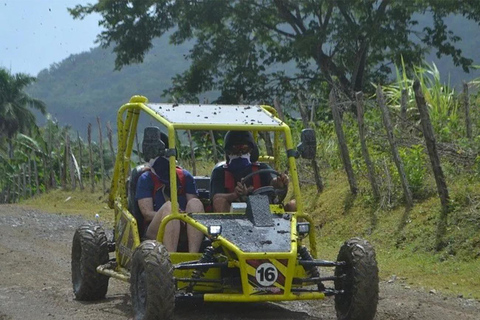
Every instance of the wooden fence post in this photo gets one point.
(110, 141)
(466, 105)
(393, 145)
(403, 107)
(102, 164)
(30, 188)
(192, 153)
(80, 164)
(214, 146)
(342, 142)
(35, 172)
(90, 158)
(366, 155)
(436, 165)
(24, 184)
(313, 162)
(139, 152)
(71, 169)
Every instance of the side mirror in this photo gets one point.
(152, 145)
(308, 145)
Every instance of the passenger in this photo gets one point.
(153, 196)
(226, 184)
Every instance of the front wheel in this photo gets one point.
(89, 250)
(358, 279)
(151, 285)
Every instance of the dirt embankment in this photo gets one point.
(35, 284)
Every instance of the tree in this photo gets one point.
(15, 115)
(241, 47)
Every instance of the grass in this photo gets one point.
(406, 252)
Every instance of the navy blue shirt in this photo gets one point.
(145, 187)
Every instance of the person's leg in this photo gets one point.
(172, 230)
(195, 237)
(221, 204)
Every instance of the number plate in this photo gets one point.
(266, 274)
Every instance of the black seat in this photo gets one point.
(131, 192)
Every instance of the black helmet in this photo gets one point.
(233, 138)
(154, 143)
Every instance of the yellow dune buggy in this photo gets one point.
(256, 252)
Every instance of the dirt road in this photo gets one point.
(35, 284)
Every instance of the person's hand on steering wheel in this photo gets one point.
(280, 181)
(242, 191)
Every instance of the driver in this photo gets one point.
(226, 184)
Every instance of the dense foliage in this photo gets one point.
(241, 47)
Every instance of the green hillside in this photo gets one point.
(86, 85)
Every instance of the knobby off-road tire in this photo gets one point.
(360, 298)
(89, 250)
(151, 283)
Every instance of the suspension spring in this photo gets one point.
(208, 256)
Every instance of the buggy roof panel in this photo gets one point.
(209, 114)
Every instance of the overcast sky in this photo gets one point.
(36, 33)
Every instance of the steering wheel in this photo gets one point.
(275, 196)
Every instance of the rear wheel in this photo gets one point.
(89, 250)
(151, 285)
(360, 283)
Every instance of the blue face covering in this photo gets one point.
(239, 162)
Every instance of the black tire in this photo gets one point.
(360, 285)
(151, 284)
(89, 250)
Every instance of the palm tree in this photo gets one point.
(15, 104)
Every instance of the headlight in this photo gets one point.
(214, 231)
(303, 228)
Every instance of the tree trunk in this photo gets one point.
(278, 107)
(466, 105)
(102, 164)
(366, 155)
(393, 145)
(342, 143)
(90, 158)
(436, 165)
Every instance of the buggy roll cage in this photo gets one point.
(198, 117)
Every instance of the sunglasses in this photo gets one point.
(240, 149)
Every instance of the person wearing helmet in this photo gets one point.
(153, 197)
(226, 185)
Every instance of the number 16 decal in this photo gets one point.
(266, 274)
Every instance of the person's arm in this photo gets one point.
(144, 196)
(146, 208)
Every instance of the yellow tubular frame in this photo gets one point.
(118, 201)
